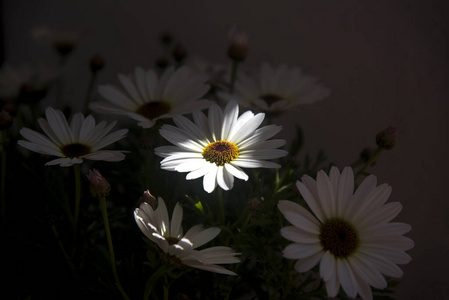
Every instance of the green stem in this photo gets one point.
(89, 92)
(222, 205)
(3, 140)
(370, 161)
(166, 290)
(110, 246)
(152, 281)
(235, 64)
(64, 252)
(77, 171)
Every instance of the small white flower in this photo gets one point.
(217, 146)
(276, 89)
(62, 40)
(82, 140)
(181, 248)
(147, 98)
(349, 235)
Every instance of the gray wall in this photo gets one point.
(386, 62)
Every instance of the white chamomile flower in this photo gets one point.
(147, 98)
(218, 146)
(180, 249)
(349, 234)
(276, 89)
(73, 143)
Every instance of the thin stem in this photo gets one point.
(60, 84)
(3, 141)
(222, 205)
(152, 281)
(166, 290)
(370, 161)
(64, 252)
(235, 64)
(77, 171)
(110, 246)
(89, 92)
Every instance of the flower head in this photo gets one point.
(99, 186)
(26, 82)
(276, 89)
(73, 143)
(217, 146)
(238, 47)
(179, 248)
(349, 234)
(63, 41)
(147, 98)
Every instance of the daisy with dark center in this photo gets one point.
(218, 146)
(178, 249)
(72, 144)
(147, 98)
(349, 234)
(276, 89)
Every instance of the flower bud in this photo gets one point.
(96, 63)
(255, 204)
(238, 48)
(5, 119)
(179, 53)
(387, 138)
(148, 198)
(99, 186)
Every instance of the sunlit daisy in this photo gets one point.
(73, 143)
(147, 98)
(217, 146)
(276, 89)
(180, 249)
(349, 234)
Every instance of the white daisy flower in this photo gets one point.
(276, 89)
(147, 98)
(82, 140)
(62, 40)
(25, 78)
(180, 249)
(217, 146)
(349, 234)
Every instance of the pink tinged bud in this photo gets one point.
(387, 138)
(238, 48)
(255, 204)
(148, 198)
(99, 186)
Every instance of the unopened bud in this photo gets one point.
(166, 38)
(238, 48)
(162, 62)
(179, 53)
(255, 204)
(96, 63)
(5, 119)
(99, 186)
(387, 138)
(148, 198)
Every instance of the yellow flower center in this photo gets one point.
(221, 152)
(75, 150)
(152, 110)
(270, 99)
(339, 237)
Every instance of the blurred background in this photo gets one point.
(385, 61)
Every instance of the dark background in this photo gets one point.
(386, 62)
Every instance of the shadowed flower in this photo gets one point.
(147, 98)
(180, 249)
(63, 41)
(82, 140)
(217, 146)
(276, 89)
(349, 234)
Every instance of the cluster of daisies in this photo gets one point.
(346, 231)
